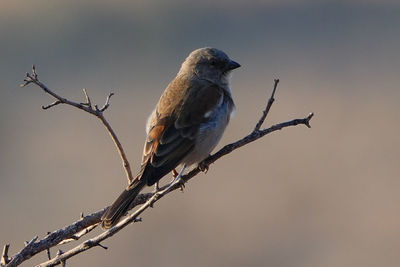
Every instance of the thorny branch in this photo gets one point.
(87, 223)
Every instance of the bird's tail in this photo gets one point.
(121, 205)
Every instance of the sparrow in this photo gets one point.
(186, 124)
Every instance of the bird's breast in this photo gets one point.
(210, 132)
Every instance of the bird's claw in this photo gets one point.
(156, 187)
(203, 167)
(181, 184)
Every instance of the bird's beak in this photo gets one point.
(233, 65)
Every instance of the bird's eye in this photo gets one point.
(213, 62)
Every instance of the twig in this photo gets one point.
(88, 102)
(268, 107)
(4, 256)
(33, 78)
(106, 104)
(55, 103)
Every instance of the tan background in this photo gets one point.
(326, 196)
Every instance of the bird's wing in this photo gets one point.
(174, 126)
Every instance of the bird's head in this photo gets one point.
(210, 64)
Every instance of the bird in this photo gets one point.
(186, 124)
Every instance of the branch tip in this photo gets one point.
(29, 243)
(55, 103)
(4, 255)
(267, 108)
(88, 102)
(48, 253)
(138, 219)
(308, 118)
(107, 104)
(100, 245)
(34, 72)
(276, 81)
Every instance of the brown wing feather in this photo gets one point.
(171, 136)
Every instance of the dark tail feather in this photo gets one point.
(121, 205)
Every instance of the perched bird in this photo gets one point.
(186, 124)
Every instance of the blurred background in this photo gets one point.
(326, 196)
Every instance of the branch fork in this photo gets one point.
(86, 106)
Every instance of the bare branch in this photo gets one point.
(85, 107)
(113, 230)
(86, 224)
(268, 107)
(151, 198)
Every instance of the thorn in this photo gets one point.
(138, 219)
(81, 215)
(48, 253)
(100, 245)
(59, 253)
(48, 249)
(28, 243)
(55, 103)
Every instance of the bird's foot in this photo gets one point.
(178, 178)
(203, 167)
(181, 184)
(179, 181)
(156, 187)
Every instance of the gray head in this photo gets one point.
(210, 64)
